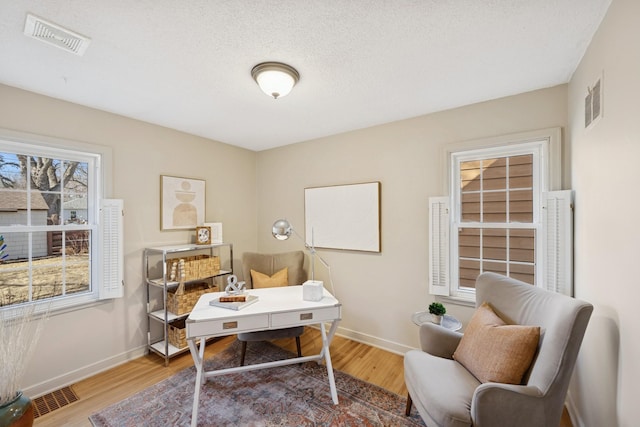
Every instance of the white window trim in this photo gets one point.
(555, 246)
(103, 188)
(554, 152)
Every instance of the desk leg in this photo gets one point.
(326, 340)
(198, 361)
(329, 337)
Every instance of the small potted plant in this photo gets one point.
(437, 310)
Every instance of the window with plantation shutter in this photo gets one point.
(61, 238)
(501, 217)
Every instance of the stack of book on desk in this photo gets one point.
(234, 302)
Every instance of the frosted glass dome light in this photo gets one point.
(275, 78)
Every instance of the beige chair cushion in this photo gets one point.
(261, 280)
(272, 263)
(494, 351)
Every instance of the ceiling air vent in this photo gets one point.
(55, 35)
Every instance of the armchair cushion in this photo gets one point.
(445, 385)
(439, 341)
(494, 351)
(261, 280)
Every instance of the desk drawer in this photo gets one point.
(305, 317)
(228, 326)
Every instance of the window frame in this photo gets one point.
(101, 159)
(546, 145)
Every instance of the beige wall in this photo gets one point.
(81, 342)
(605, 177)
(379, 291)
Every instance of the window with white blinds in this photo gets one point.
(501, 217)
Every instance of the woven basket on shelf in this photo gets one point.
(182, 299)
(178, 334)
(195, 267)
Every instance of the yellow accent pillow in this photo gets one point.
(494, 351)
(261, 280)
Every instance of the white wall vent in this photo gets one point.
(593, 104)
(55, 35)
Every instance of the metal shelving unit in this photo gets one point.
(158, 283)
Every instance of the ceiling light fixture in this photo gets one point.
(275, 78)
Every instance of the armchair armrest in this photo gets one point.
(438, 341)
(519, 405)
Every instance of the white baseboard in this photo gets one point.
(576, 421)
(73, 377)
(373, 341)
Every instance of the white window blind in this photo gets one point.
(557, 217)
(439, 245)
(112, 259)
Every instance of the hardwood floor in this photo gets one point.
(368, 363)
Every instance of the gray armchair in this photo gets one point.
(269, 264)
(445, 393)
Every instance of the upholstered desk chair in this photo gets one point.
(270, 264)
(446, 393)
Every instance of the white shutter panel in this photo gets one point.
(111, 257)
(557, 224)
(439, 245)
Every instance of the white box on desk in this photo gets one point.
(312, 290)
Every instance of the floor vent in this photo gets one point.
(55, 400)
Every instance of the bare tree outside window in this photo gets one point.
(47, 248)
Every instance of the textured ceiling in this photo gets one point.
(186, 64)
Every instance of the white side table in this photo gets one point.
(449, 322)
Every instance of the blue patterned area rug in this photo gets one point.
(294, 395)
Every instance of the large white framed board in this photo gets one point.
(343, 217)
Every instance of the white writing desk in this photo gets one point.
(276, 308)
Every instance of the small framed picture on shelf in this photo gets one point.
(216, 231)
(203, 235)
